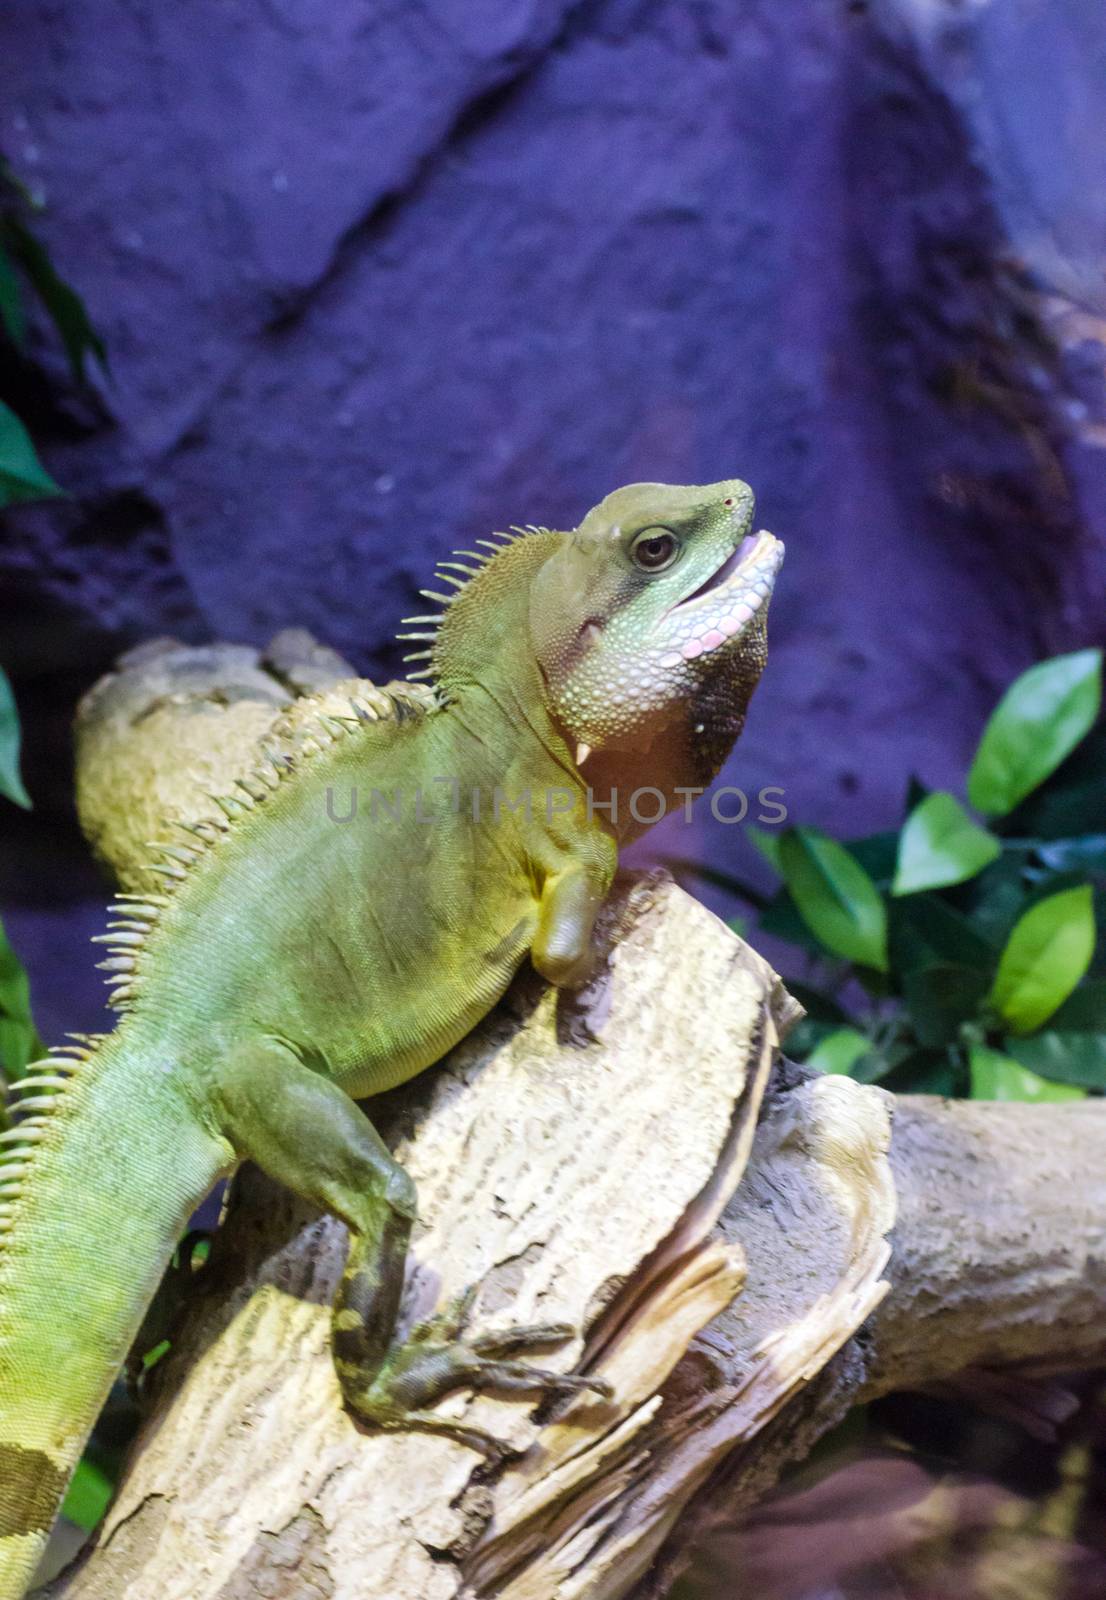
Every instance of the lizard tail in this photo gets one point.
(98, 1177)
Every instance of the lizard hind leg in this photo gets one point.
(436, 1359)
(306, 1132)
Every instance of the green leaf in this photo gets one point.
(11, 783)
(916, 792)
(63, 304)
(1060, 809)
(15, 999)
(941, 998)
(839, 1051)
(939, 845)
(926, 931)
(738, 925)
(1065, 1057)
(998, 1077)
(19, 1041)
(781, 919)
(876, 853)
(19, 1044)
(924, 1071)
(158, 1353)
(22, 475)
(836, 898)
(873, 1067)
(1084, 1011)
(996, 897)
(1039, 720)
(806, 1035)
(11, 303)
(1048, 951)
(767, 843)
(1085, 854)
(88, 1495)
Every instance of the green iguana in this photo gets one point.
(298, 962)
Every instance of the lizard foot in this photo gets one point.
(435, 1360)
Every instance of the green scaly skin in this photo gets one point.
(298, 963)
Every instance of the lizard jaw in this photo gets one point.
(725, 605)
(693, 640)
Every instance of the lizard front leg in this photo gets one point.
(571, 897)
(306, 1132)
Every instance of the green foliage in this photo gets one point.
(22, 475)
(11, 784)
(61, 302)
(999, 1077)
(767, 843)
(951, 957)
(19, 1041)
(1048, 951)
(25, 263)
(941, 845)
(88, 1495)
(835, 897)
(1064, 1057)
(13, 319)
(839, 1051)
(1039, 720)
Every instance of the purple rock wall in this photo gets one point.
(375, 279)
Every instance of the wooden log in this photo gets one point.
(744, 1250)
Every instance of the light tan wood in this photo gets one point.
(717, 1225)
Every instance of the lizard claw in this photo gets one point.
(434, 1361)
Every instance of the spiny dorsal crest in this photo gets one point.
(475, 561)
(308, 727)
(32, 1101)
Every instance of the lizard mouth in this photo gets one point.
(753, 558)
(725, 572)
(722, 607)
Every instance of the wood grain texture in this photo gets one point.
(574, 1168)
(744, 1249)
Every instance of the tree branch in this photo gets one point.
(745, 1250)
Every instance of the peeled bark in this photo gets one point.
(744, 1249)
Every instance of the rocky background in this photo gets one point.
(375, 278)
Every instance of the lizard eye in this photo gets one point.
(654, 549)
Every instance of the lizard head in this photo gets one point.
(650, 619)
(643, 630)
